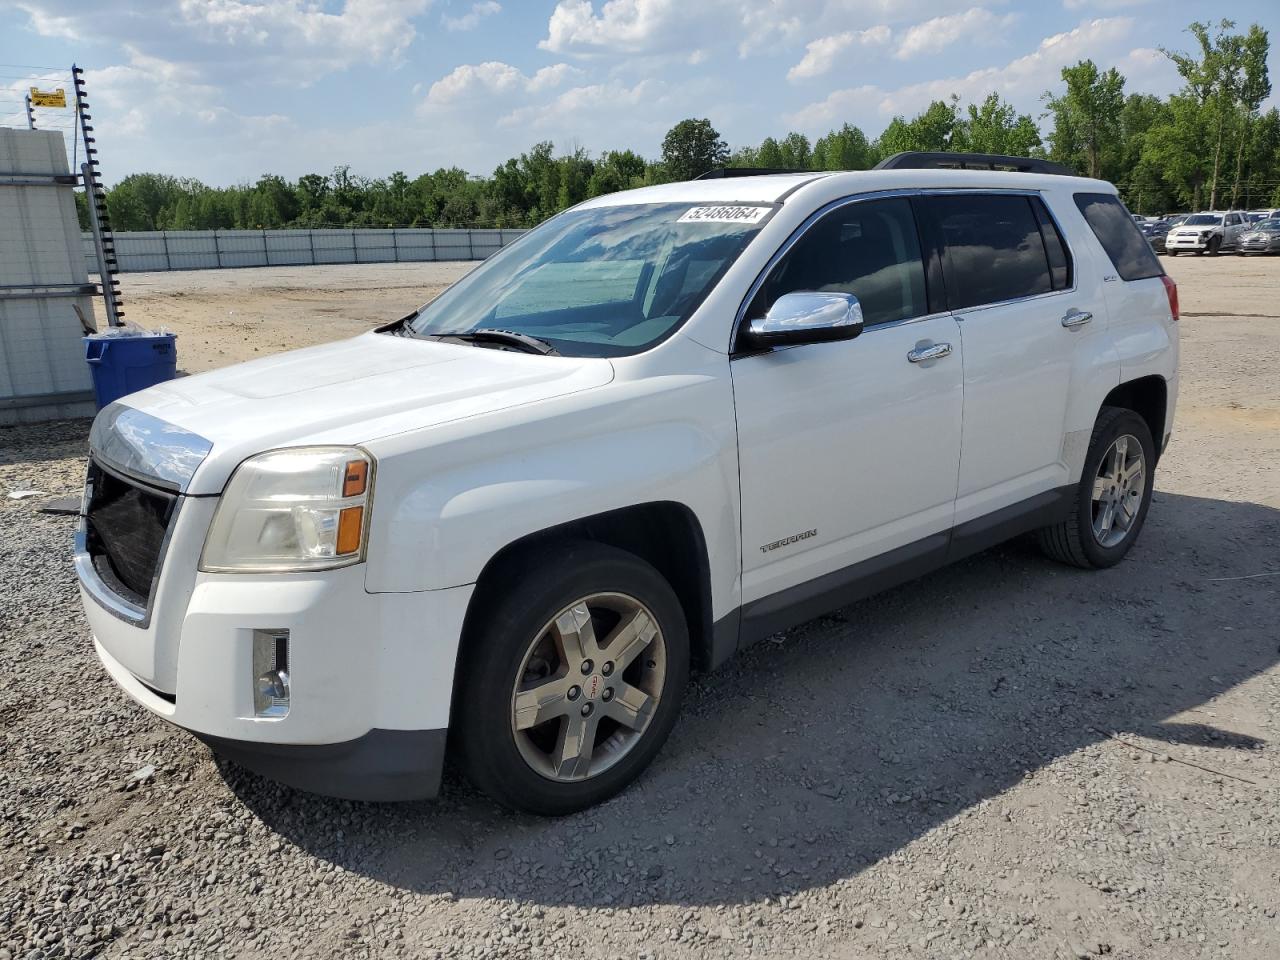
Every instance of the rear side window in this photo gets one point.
(1128, 249)
(994, 248)
(1054, 247)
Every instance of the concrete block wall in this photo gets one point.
(43, 374)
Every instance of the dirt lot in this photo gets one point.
(1007, 759)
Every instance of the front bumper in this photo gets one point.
(381, 765)
(1200, 242)
(371, 674)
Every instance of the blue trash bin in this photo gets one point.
(122, 365)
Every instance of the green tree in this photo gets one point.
(691, 148)
(931, 130)
(1086, 119)
(996, 127)
(1229, 81)
(843, 149)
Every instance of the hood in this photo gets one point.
(351, 392)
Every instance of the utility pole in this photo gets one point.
(31, 113)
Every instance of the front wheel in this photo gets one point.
(573, 679)
(1113, 495)
(1215, 246)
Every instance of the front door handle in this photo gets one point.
(935, 352)
(1076, 318)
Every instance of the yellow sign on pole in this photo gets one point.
(51, 98)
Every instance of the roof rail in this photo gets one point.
(921, 160)
(720, 173)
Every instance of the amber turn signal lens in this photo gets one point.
(356, 478)
(350, 524)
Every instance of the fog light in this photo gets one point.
(271, 673)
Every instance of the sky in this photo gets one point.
(227, 90)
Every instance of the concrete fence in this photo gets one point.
(211, 249)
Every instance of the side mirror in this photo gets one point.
(807, 317)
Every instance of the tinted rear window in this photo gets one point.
(1128, 249)
(994, 249)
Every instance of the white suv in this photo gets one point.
(657, 428)
(1206, 233)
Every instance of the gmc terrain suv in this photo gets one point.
(662, 425)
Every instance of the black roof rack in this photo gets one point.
(721, 172)
(921, 160)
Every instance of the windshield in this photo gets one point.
(601, 282)
(1202, 220)
(1268, 226)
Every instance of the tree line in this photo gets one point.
(1208, 145)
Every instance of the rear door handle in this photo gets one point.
(1076, 318)
(935, 352)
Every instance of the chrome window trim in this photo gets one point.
(907, 192)
(95, 586)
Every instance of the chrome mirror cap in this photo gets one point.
(807, 317)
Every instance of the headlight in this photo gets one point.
(304, 508)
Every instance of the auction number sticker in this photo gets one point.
(728, 214)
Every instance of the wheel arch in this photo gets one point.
(665, 534)
(1149, 398)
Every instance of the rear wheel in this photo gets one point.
(574, 681)
(1113, 495)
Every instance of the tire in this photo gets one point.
(1215, 246)
(520, 760)
(1076, 540)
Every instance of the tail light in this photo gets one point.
(1171, 290)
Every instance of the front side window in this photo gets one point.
(600, 282)
(869, 249)
(1124, 243)
(995, 250)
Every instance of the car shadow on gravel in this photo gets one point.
(823, 750)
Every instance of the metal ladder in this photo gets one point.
(104, 242)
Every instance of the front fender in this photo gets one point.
(445, 503)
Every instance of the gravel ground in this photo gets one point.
(1007, 759)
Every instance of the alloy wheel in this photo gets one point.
(588, 686)
(1118, 490)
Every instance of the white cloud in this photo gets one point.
(820, 55)
(578, 104)
(977, 25)
(471, 19)
(585, 28)
(147, 89)
(494, 77)
(289, 40)
(1103, 4)
(362, 30)
(1021, 81)
(634, 26)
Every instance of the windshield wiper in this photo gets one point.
(521, 341)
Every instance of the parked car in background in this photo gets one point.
(1263, 237)
(1174, 219)
(661, 426)
(1155, 231)
(1210, 232)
